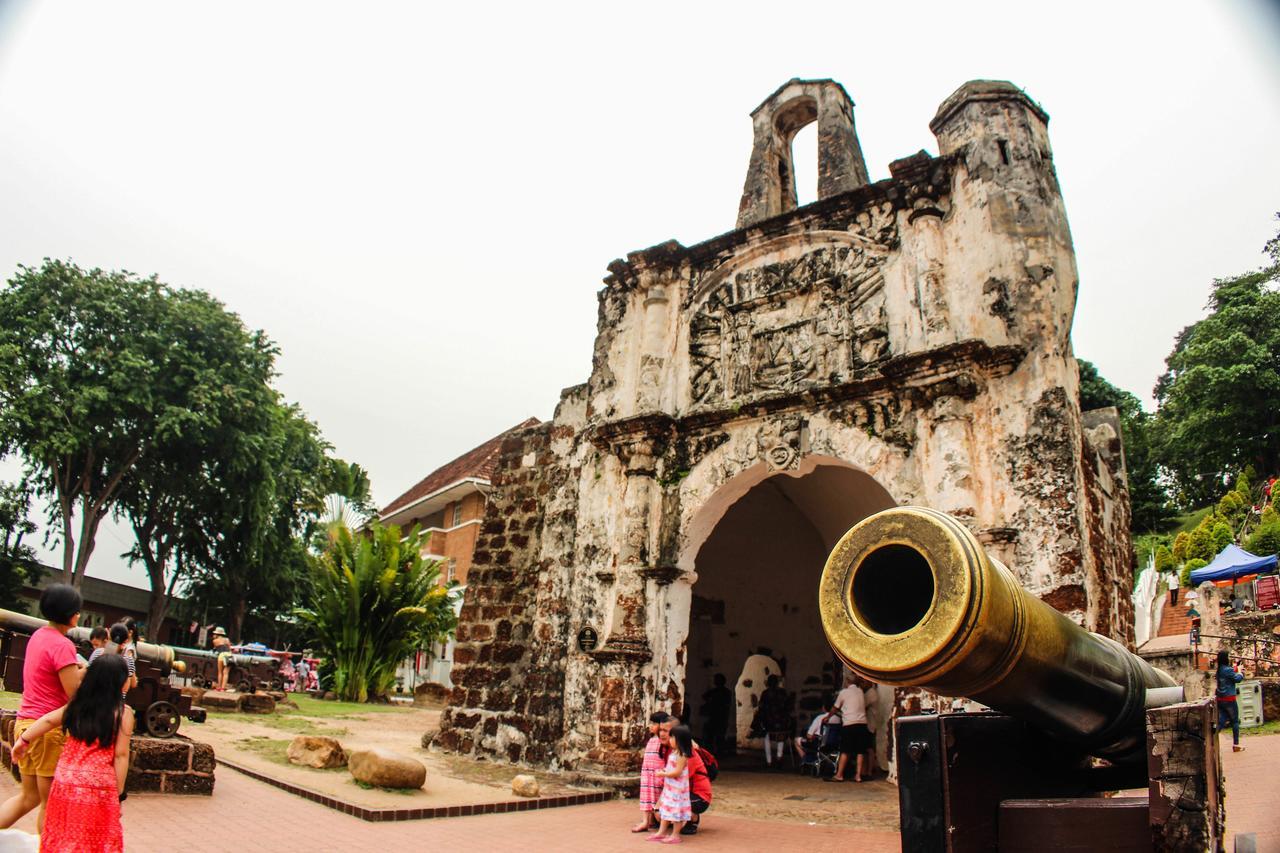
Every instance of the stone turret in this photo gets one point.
(771, 179)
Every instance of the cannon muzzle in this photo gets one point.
(909, 598)
(161, 656)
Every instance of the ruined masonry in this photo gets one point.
(753, 396)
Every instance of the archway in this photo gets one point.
(761, 542)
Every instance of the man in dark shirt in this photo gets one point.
(717, 709)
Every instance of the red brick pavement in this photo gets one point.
(246, 816)
(1253, 789)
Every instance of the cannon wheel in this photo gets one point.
(244, 686)
(277, 684)
(161, 719)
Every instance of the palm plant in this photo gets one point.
(374, 601)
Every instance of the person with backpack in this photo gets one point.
(703, 770)
(1227, 690)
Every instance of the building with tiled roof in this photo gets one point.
(449, 503)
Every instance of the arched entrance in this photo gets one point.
(762, 541)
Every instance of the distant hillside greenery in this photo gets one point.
(1215, 434)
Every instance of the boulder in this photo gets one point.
(524, 785)
(386, 769)
(430, 693)
(322, 753)
(329, 696)
(257, 703)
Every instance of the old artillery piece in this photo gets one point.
(909, 599)
(158, 705)
(248, 672)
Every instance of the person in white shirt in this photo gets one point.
(813, 737)
(855, 737)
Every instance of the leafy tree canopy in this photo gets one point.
(18, 564)
(1219, 398)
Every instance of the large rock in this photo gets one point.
(257, 703)
(430, 694)
(319, 752)
(386, 769)
(524, 785)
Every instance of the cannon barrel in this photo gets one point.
(909, 598)
(238, 658)
(161, 656)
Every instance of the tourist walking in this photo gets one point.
(650, 766)
(774, 717)
(674, 806)
(50, 677)
(854, 734)
(88, 787)
(717, 710)
(1227, 690)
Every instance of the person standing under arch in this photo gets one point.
(855, 737)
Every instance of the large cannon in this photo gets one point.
(157, 704)
(248, 672)
(909, 598)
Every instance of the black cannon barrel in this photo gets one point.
(238, 658)
(161, 656)
(909, 598)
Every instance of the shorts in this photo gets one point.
(224, 658)
(43, 753)
(697, 804)
(855, 738)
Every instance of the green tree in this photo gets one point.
(1200, 542)
(94, 376)
(1180, 543)
(1222, 537)
(373, 601)
(1189, 567)
(1148, 501)
(18, 564)
(1164, 559)
(268, 490)
(1217, 398)
(171, 498)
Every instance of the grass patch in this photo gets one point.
(309, 706)
(1186, 523)
(1268, 728)
(269, 748)
(9, 701)
(298, 725)
(407, 792)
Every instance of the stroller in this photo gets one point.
(822, 757)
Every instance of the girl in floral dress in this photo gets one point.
(83, 815)
(674, 807)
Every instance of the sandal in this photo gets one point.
(641, 827)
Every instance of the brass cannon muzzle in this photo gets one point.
(909, 598)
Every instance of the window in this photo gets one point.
(451, 571)
(457, 514)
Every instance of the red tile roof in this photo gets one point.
(478, 462)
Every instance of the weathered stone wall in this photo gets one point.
(907, 339)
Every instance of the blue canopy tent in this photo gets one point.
(1231, 563)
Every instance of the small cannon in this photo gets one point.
(157, 704)
(248, 672)
(908, 598)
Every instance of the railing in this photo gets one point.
(1265, 660)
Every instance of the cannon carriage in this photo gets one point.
(159, 706)
(248, 672)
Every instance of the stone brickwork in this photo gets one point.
(170, 766)
(905, 341)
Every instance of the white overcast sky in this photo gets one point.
(418, 201)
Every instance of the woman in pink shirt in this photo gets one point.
(50, 676)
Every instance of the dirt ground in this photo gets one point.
(259, 741)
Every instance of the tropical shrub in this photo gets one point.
(1265, 540)
(1180, 543)
(1164, 560)
(1222, 537)
(374, 601)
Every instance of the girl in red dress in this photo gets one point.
(83, 815)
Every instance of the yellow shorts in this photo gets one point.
(42, 756)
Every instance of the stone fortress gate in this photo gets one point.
(753, 396)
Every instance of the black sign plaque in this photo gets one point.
(588, 639)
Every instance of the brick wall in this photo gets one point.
(508, 670)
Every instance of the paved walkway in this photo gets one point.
(251, 817)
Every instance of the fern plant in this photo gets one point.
(375, 600)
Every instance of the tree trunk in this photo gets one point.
(156, 612)
(238, 607)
